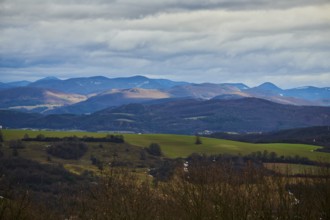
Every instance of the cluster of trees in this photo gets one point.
(108, 138)
(68, 149)
(19, 174)
(198, 140)
(273, 157)
(154, 149)
(257, 157)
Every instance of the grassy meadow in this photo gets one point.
(174, 146)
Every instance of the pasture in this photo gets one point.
(174, 146)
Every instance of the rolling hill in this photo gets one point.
(319, 135)
(191, 116)
(187, 116)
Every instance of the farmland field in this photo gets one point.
(174, 146)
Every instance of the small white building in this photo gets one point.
(0, 127)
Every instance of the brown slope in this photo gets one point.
(111, 98)
(30, 98)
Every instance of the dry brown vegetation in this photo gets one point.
(198, 190)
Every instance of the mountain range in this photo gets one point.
(140, 104)
(87, 95)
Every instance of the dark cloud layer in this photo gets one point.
(286, 42)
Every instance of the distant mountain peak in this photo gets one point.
(139, 77)
(268, 86)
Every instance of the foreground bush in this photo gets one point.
(207, 190)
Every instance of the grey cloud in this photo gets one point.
(185, 40)
(84, 9)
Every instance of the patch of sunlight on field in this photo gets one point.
(79, 169)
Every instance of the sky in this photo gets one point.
(248, 41)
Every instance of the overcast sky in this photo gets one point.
(286, 42)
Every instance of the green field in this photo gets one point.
(181, 145)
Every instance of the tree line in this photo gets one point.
(108, 138)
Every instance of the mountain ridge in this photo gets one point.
(97, 84)
(188, 116)
(94, 87)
